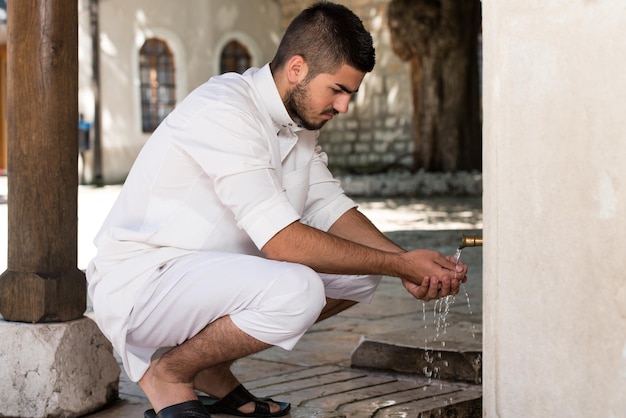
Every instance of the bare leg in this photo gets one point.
(170, 379)
(202, 363)
(333, 307)
(218, 381)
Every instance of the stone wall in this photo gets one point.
(554, 294)
(376, 133)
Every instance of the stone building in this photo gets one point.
(197, 41)
(150, 55)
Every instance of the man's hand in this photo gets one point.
(417, 264)
(435, 287)
(432, 288)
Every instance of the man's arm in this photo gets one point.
(354, 245)
(356, 227)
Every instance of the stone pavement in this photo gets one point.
(396, 357)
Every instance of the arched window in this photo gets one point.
(235, 57)
(158, 85)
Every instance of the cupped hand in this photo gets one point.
(432, 288)
(418, 264)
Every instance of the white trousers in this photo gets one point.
(274, 302)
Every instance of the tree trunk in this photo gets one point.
(440, 40)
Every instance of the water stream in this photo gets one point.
(441, 309)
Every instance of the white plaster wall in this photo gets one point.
(193, 29)
(554, 208)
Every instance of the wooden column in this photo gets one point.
(42, 282)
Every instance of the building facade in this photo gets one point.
(151, 54)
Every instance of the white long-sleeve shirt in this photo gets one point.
(225, 171)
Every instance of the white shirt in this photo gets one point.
(225, 171)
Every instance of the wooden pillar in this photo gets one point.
(42, 282)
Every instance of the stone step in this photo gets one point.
(454, 352)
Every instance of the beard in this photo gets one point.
(297, 104)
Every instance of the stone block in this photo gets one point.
(62, 369)
(455, 355)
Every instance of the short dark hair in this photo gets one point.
(327, 36)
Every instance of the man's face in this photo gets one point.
(317, 101)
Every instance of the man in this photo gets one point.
(231, 236)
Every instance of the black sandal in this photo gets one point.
(230, 403)
(189, 409)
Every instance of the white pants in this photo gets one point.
(274, 302)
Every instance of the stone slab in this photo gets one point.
(466, 404)
(337, 392)
(55, 370)
(432, 400)
(455, 354)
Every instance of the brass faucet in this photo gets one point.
(471, 241)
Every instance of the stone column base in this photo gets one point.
(55, 370)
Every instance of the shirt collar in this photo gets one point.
(271, 99)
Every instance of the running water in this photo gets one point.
(457, 254)
(457, 257)
(440, 312)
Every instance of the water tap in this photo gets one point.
(471, 241)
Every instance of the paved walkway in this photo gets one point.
(395, 357)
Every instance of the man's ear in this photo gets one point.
(297, 69)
